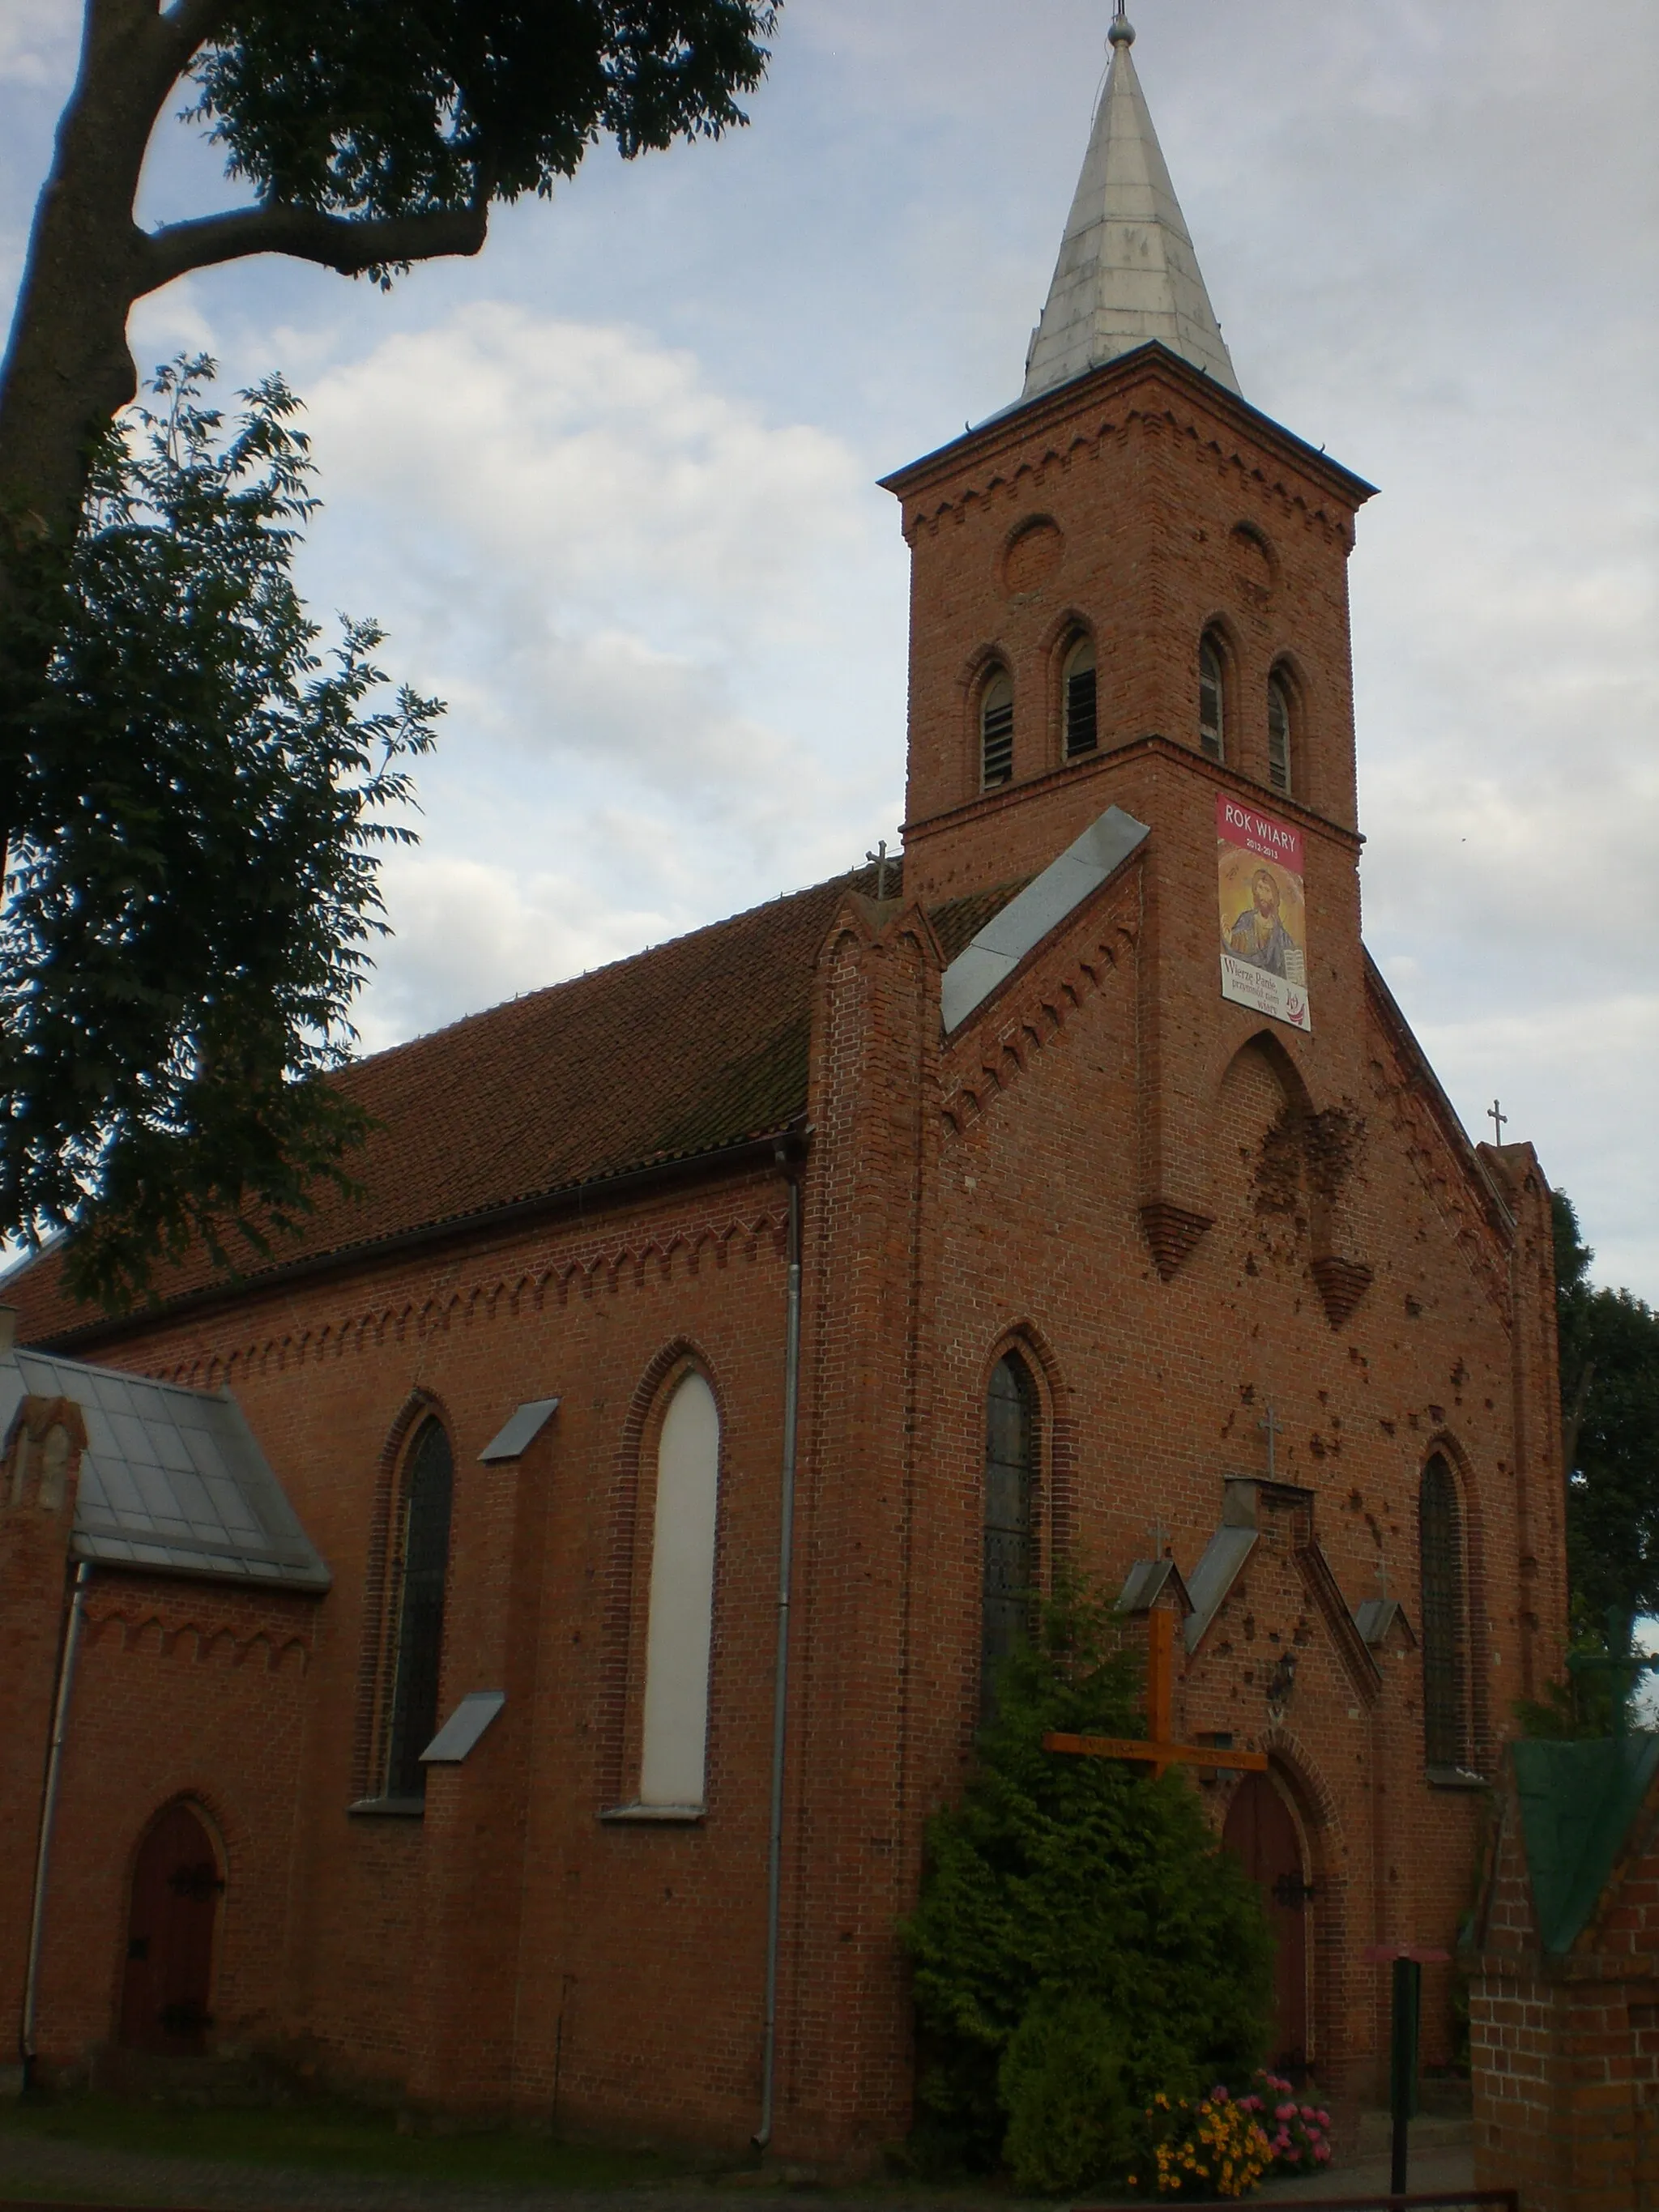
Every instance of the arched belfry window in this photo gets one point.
(422, 1572)
(1278, 732)
(1212, 697)
(674, 1735)
(1440, 1537)
(1010, 1572)
(996, 730)
(1082, 731)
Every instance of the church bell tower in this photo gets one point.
(1129, 589)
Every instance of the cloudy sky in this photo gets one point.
(610, 486)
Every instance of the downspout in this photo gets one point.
(48, 1813)
(763, 2134)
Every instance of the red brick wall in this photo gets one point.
(1565, 2048)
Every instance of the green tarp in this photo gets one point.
(1578, 1800)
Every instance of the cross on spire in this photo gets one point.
(1496, 1115)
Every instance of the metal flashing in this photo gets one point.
(461, 1731)
(171, 1479)
(1377, 1617)
(521, 1430)
(987, 961)
(1220, 1568)
(1147, 1581)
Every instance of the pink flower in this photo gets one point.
(1322, 2152)
(1219, 2092)
(1323, 2118)
(1283, 2112)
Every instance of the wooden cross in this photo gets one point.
(1498, 1118)
(1158, 1751)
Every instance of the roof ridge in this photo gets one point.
(605, 968)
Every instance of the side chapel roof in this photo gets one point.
(171, 1479)
(682, 1051)
(1127, 273)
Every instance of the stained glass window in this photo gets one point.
(423, 1568)
(1440, 1537)
(1009, 1537)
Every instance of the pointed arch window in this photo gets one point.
(1079, 685)
(679, 1637)
(1278, 732)
(1011, 1565)
(1212, 697)
(1440, 1540)
(996, 730)
(422, 1575)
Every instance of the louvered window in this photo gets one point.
(1081, 729)
(1440, 1546)
(1278, 734)
(423, 1571)
(1010, 1541)
(1212, 700)
(996, 732)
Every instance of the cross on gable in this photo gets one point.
(1159, 1751)
(1496, 1115)
(1271, 1429)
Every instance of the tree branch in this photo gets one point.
(192, 22)
(349, 243)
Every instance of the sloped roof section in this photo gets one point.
(677, 1053)
(1577, 1801)
(171, 1479)
(1017, 927)
(1126, 273)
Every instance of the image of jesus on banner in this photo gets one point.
(1264, 958)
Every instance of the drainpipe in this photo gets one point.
(763, 2134)
(48, 1811)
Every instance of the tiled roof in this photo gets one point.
(684, 1050)
(171, 1479)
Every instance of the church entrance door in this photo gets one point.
(1262, 1829)
(176, 1888)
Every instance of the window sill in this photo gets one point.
(680, 1816)
(1454, 1777)
(388, 1808)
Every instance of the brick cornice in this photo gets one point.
(598, 1268)
(1152, 745)
(1150, 386)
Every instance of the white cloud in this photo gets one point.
(37, 37)
(651, 613)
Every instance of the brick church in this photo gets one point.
(505, 1648)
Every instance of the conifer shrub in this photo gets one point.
(1082, 1944)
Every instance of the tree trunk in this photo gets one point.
(68, 369)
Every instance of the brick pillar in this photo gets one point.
(844, 2043)
(467, 1957)
(40, 1470)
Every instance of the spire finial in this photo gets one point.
(1122, 31)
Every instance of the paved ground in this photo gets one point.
(69, 2174)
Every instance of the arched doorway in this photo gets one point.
(174, 1916)
(1262, 1829)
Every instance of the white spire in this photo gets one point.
(1126, 271)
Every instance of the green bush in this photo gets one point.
(1061, 2086)
(1062, 1890)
